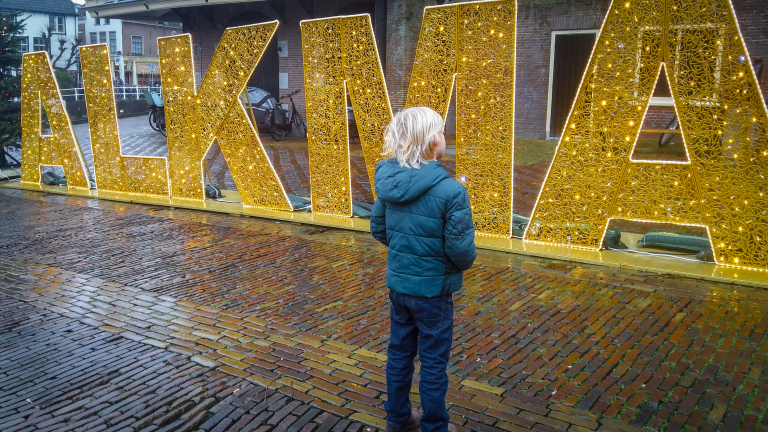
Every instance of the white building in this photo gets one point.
(132, 44)
(106, 31)
(59, 16)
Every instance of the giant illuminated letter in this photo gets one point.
(471, 43)
(339, 56)
(114, 172)
(39, 90)
(723, 119)
(195, 119)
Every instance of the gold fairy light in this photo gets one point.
(724, 125)
(114, 172)
(195, 119)
(341, 52)
(340, 58)
(39, 90)
(473, 46)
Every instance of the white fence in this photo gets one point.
(136, 92)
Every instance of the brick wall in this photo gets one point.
(536, 21)
(753, 22)
(658, 117)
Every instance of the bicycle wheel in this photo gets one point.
(152, 121)
(299, 124)
(277, 133)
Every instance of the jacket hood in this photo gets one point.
(402, 185)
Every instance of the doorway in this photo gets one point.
(569, 55)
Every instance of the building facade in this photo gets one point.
(554, 42)
(132, 46)
(46, 23)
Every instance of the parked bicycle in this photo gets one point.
(294, 118)
(269, 116)
(282, 121)
(156, 111)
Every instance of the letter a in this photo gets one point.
(39, 89)
(723, 120)
(195, 119)
(114, 172)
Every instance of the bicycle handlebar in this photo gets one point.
(290, 94)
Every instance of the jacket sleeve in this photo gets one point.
(460, 231)
(378, 222)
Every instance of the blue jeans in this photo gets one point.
(423, 325)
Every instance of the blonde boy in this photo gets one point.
(423, 217)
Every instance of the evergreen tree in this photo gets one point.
(10, 80)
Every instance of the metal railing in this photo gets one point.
(133, 92)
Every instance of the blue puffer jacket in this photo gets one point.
(423, 217)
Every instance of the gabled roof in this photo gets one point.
(60, 7)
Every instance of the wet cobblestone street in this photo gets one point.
(131, 317)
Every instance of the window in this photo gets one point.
(96, 21)
(137, 45)
(102, 37)
(93, 38)
(38, 44)
(106, 20)
(57, 23)
(112, 42)
(23, 44)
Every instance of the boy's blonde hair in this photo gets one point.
(409, 135)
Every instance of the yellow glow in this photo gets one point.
(484, 99)
(114, 172)
(683, 190)
(195, 118)
(352, 65)
(40, 90)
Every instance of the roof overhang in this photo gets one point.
(150, 9)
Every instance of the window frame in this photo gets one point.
(35, 39)
(53, 18)
(102, 40)
(133, 45)
(112, 37)
(24, 39)
(93, 38)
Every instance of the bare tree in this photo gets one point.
(74, 45)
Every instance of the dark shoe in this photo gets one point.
(452, 428)
(414, 422)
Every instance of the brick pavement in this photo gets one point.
(58, 373)
(603, 344)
